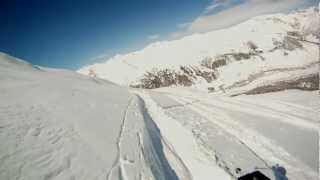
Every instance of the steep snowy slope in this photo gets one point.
(223, 59)
(57, 124)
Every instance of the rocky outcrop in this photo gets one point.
(184, 76)
(309, 83)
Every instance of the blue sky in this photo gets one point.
(70, 34)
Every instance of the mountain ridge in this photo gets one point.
(270, 34)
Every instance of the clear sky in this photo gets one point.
(72, 33)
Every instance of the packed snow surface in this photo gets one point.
(250, 132)
(57, 124)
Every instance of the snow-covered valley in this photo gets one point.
(219, 105)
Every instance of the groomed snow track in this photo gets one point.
(218, 125)
(147, 157)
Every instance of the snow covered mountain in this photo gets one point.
(262, 51)
(57, 124)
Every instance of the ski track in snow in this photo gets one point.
(261, 145)
(202, 129)
(256, 143)
(119, 160)
(199, 167)
(164, 157)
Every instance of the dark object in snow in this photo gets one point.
(256, 175)
(238, 170)
(211, 89)
(280, 172)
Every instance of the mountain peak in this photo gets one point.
(270, 33)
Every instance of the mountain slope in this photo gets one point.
(57, 124)
(238, 53)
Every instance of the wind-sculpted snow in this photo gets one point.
(56, 124)
(261, 44)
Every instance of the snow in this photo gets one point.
(57, 124)
(190, 50)
(184, 144)
(52, 124)
(250, 131)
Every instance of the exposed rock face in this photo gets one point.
(309, 83)
(185, 76)
(290, 42)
